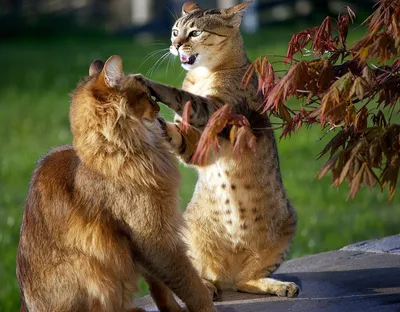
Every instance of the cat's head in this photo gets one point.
(200, 36)
(110, 111)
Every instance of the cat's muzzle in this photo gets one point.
(189, 60)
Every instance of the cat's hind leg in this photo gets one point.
(256, 270)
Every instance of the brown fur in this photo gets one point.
(104, 211)
(240, 222)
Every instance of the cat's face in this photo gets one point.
(109, 90)
(110, 110)
(199, 36)
(111, 82)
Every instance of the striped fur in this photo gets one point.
(240, 222)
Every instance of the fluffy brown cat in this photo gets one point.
(104, 211)
(240, 221)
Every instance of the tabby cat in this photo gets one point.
(240, 222)
(104, 211)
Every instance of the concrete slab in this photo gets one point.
(343, 280)
(390, 244)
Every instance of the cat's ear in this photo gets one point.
(235, 14)
(113, 71)
(189, 7)
(96, 67)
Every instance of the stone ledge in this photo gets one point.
(390, 244)
(350, 279)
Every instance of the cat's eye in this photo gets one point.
(175, 32)
(195, 33)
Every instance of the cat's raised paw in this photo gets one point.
(140, 81)
(139, 78)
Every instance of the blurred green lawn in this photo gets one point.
(37, 77)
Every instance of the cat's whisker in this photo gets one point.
(153, 44)
(160, 62)
(175, 16)
(169, 61)
(151, 54)
(180, 75)
(152, 68)
(148, 58)
(156, 43)
(158, 51)
(231, 193)
(163, 60)
(157, 64)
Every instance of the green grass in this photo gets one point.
(37, 76)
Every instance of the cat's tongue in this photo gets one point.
(184, 58)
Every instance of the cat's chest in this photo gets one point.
(199, 88)
(200, 83)
(233, 201)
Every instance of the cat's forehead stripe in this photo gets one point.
(196, 14)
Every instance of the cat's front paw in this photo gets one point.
(170, 132)
(164, 128)
(141, 83)
(139, 78)
(289, 289)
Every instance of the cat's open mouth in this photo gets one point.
(189, 60)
